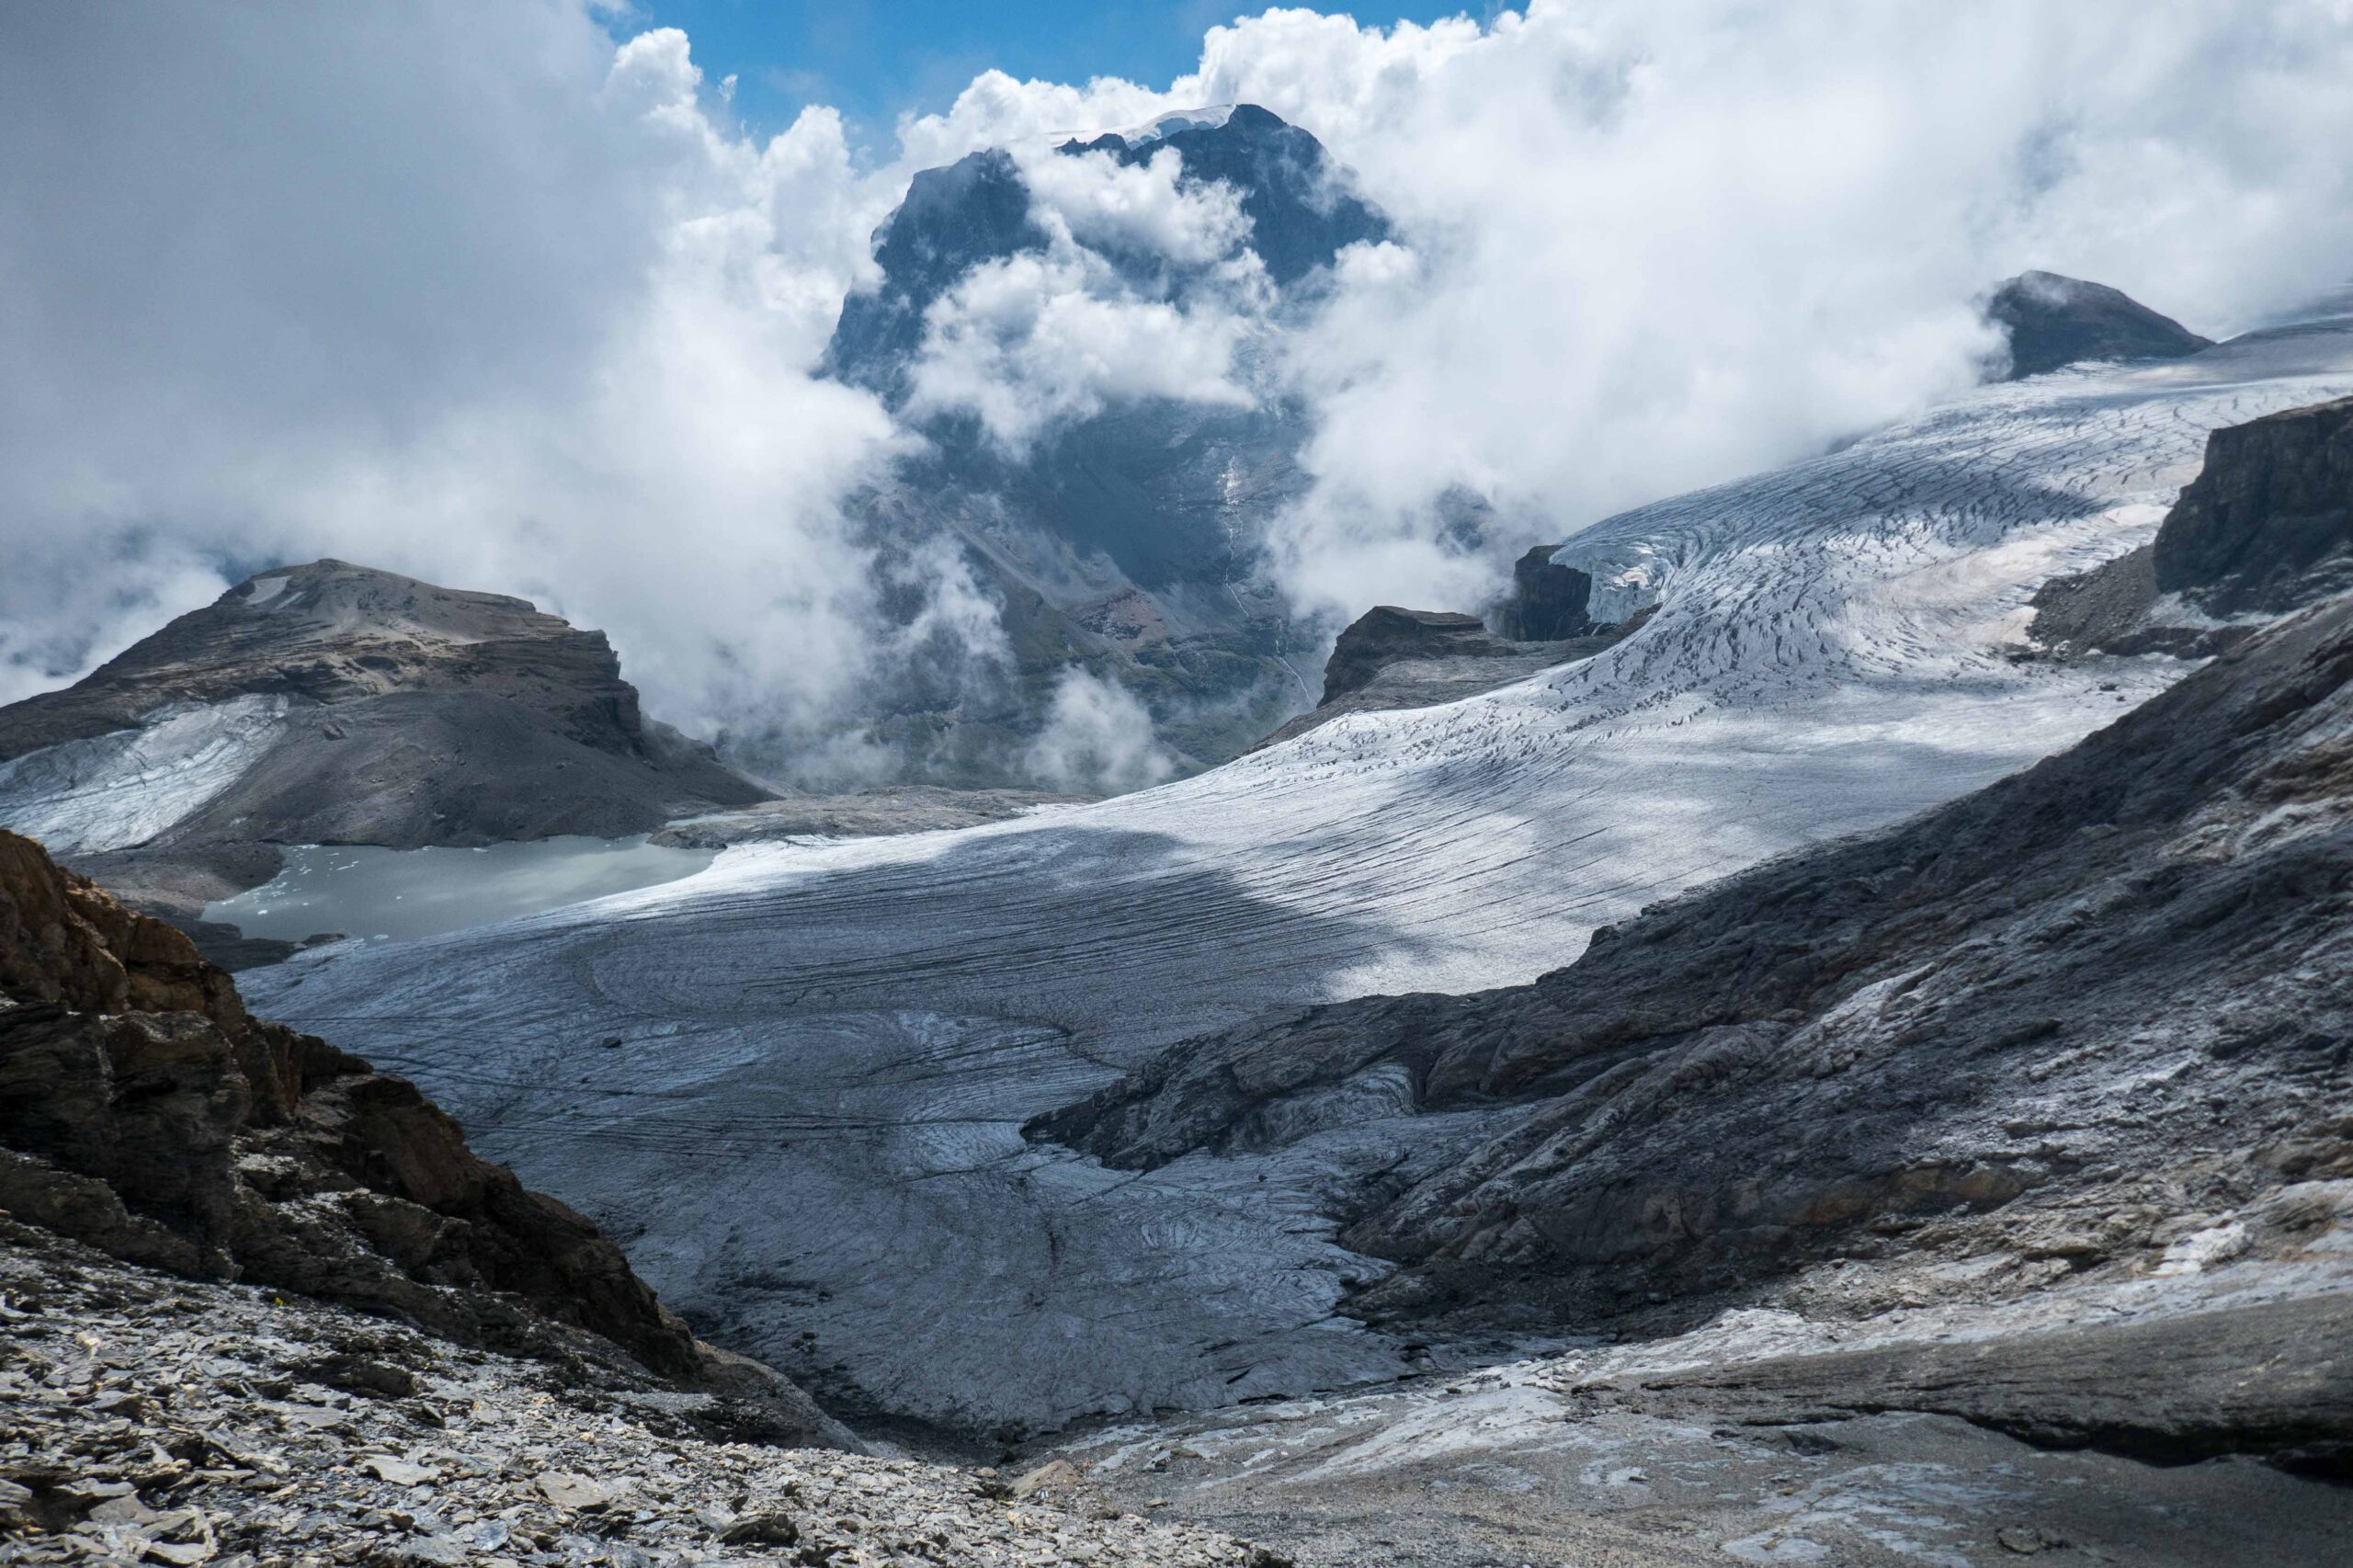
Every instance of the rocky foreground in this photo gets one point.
(259, 1303)
(152, 1419)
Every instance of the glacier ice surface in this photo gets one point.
(810, 1121)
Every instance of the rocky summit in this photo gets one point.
(2051, 322)
(338, 704)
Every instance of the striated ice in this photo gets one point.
(113, 790)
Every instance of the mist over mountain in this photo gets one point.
(1084, 335)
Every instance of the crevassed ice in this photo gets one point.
(811, 1121)
(115, 790)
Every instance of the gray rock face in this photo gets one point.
(2048, 1018)
(1385, 634)
(1548, 601)
(2053, 320)
(2266, 526)
(954, 219)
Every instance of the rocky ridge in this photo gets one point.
(2052, 320)
(2266, 526)
(329, 703)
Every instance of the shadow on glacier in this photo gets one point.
(798, 1106)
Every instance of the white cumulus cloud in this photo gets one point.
(1098, 739)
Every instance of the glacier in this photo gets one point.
(123, 788)
(793, 1082)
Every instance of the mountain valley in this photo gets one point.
(1434, 799)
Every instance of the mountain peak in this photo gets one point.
(2053, 320)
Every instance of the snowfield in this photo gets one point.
(792, 1085)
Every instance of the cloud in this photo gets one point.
(1145, 290)
(479, 294)
(1141, 209)
(1647, 247)
(472, 295)
(1035, 341)
(1098, 740)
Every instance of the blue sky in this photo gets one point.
(873, 59)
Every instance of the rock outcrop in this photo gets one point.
(2060, 1023)
(859, 813)
(2052, 320)
(1385, 636)
(1390, 658)
(1549, 602)
(2267, 527)
(330, 703)
(144, 1113)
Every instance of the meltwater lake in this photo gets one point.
(400, 894)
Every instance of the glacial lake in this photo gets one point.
(399, 894)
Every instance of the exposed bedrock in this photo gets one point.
(2267, 524)
(2267, 527)
(2273, 1376)
(1385, 634)
(2052, 320)
(1391, 658)
(144, 1113)
(2051, 1021)
(1548, 601)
